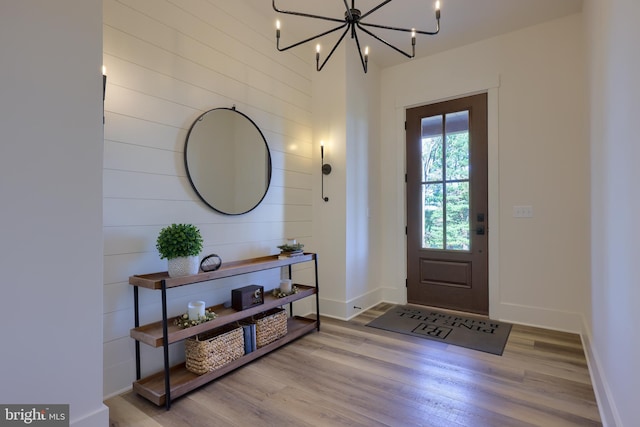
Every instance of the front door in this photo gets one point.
(447, 221)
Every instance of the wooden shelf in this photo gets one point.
(183, 381)
(172, 382)
(228, 269)
(151, 334)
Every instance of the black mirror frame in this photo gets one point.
(186, 163)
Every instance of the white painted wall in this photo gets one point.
(362, 284)
(51, 192)
(330, 128)
(539, 156)
(612, 336)
(167, 63)
(345, 102)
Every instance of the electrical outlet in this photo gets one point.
(523, 211)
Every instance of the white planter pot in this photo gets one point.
(183, 266)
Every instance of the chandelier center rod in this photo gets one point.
(352, 16)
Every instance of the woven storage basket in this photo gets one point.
(214, 349)
(270, 326)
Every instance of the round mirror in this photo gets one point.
(228, 161)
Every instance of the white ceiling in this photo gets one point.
(462, 22)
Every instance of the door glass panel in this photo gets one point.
(457, 213)
(457, 130)
(432, 149)
(445, 172)
(432, 220)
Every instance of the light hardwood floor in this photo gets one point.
(349, 374)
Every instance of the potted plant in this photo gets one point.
(290, 249)
(180, 244)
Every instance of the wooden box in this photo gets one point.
(246, 297)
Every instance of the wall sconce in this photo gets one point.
(104, 82)
(326, 169)
(104, 89)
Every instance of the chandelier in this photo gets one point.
(353, 21)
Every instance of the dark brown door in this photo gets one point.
(447, 222)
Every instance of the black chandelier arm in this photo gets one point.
(375, 8)
(363, 59)
(310, 38)
(381, 40)
(353, 21)
(406, 30)
(305, 15)
(348, 13)
(319, 68)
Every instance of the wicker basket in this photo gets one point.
(214, 349)
(270, 326)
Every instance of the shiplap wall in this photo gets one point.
(167, 62)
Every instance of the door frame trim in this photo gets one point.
(474, 296)
(493, 160)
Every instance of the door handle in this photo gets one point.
(480, 230)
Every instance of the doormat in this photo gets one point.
(487, 335)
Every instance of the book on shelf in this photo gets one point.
(246, 331)
(285, 255)
(249, 332)
(254, 346)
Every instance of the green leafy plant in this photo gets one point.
(291, 248)
(277, 293)
(183, 321)
(179, 240)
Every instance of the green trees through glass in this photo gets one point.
(445, 193)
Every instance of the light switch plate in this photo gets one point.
(523, 211)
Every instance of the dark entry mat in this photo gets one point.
(475, 333)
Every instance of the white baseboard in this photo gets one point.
(606, 404)
(118, 393)
(347, 310)
(393, 295)
(557, 320)
(97, 418)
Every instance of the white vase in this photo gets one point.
(183, 266)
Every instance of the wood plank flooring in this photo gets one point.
(349, 374)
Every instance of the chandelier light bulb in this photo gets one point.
(366, 58)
